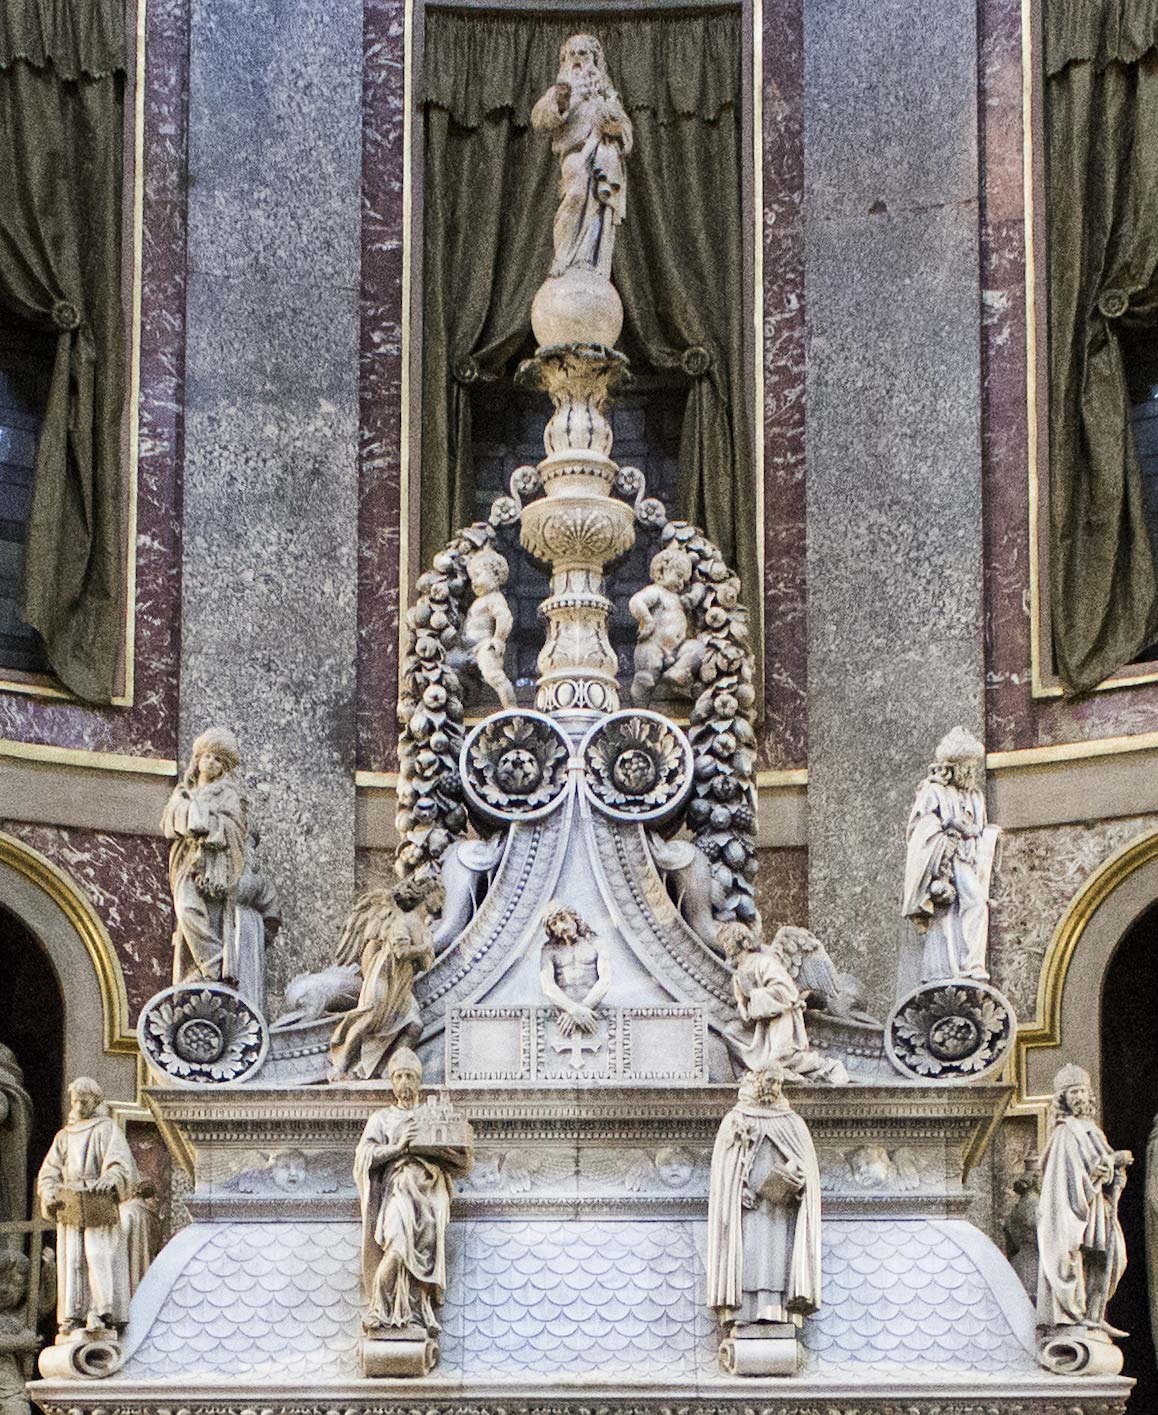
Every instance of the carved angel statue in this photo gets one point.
(206, 822)
(591, 135)
(1081, 1247)
(487, 625)
(665, 655)
(574, 969)
(772, 1007)
(815, 974)
(949, 862)
(763, 1210)
(389, 932)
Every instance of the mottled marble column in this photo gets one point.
(270, 491)
(892, 435)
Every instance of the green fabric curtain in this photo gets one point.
(1102, 118)
(61, 137)
(491, 189)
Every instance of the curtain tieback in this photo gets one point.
(1113, 303)
(695, 361)
(65, 315)
(469, 370)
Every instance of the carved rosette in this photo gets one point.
(637, 766)
(202, 1034)
(951, 1031)
(514, 766)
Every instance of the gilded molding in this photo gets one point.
(1045, 1030)
(41, 872)
(86, 760)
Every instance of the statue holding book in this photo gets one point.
(88, 1171)
(763, 1229)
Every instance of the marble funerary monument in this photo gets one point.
(560, 1128)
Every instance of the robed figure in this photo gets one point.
(591, 135)
(1081, 1247)
(391, 929)
(772, 1007)
(258, 921)
(404, 1189)
(15, 1130)
(88, 1171)
(949, 862)
(206, 822)
(763, 1211)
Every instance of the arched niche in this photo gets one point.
(97, 1040)
(1068, 1025)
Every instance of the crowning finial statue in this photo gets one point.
(592, 135)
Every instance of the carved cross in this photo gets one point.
(577, 1043)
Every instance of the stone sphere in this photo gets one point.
(577, 307)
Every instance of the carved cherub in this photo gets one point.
(488, 624)
(663, 652)
(574, 969)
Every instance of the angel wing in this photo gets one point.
(368, 919)
(808, 961)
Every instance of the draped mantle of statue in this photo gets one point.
(564, 1114)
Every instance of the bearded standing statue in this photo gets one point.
(88, 1171)
(591, 135)
(763, 1230)
(949, 862)
(403, 1166)
(206, 821)
(1081, 1247)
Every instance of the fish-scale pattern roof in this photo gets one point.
(905, 1295)
(529, 1298)
(260, 1300)
(575, 1296)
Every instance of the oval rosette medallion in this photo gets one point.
(514, 765)
(202, 1034)
(637, 765)
(958, 1030)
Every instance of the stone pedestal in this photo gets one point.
(404, 1351)
(1079, 1351)
(760, 1349)
(88, 1354)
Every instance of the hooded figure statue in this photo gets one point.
(763, 1210)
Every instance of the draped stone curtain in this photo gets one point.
(491, 189)
(1101, 60)
(62, 68)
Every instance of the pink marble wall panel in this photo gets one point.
(148, 728)
(1014, 717)
(381, 382)
(125, 879)
(783, 741)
